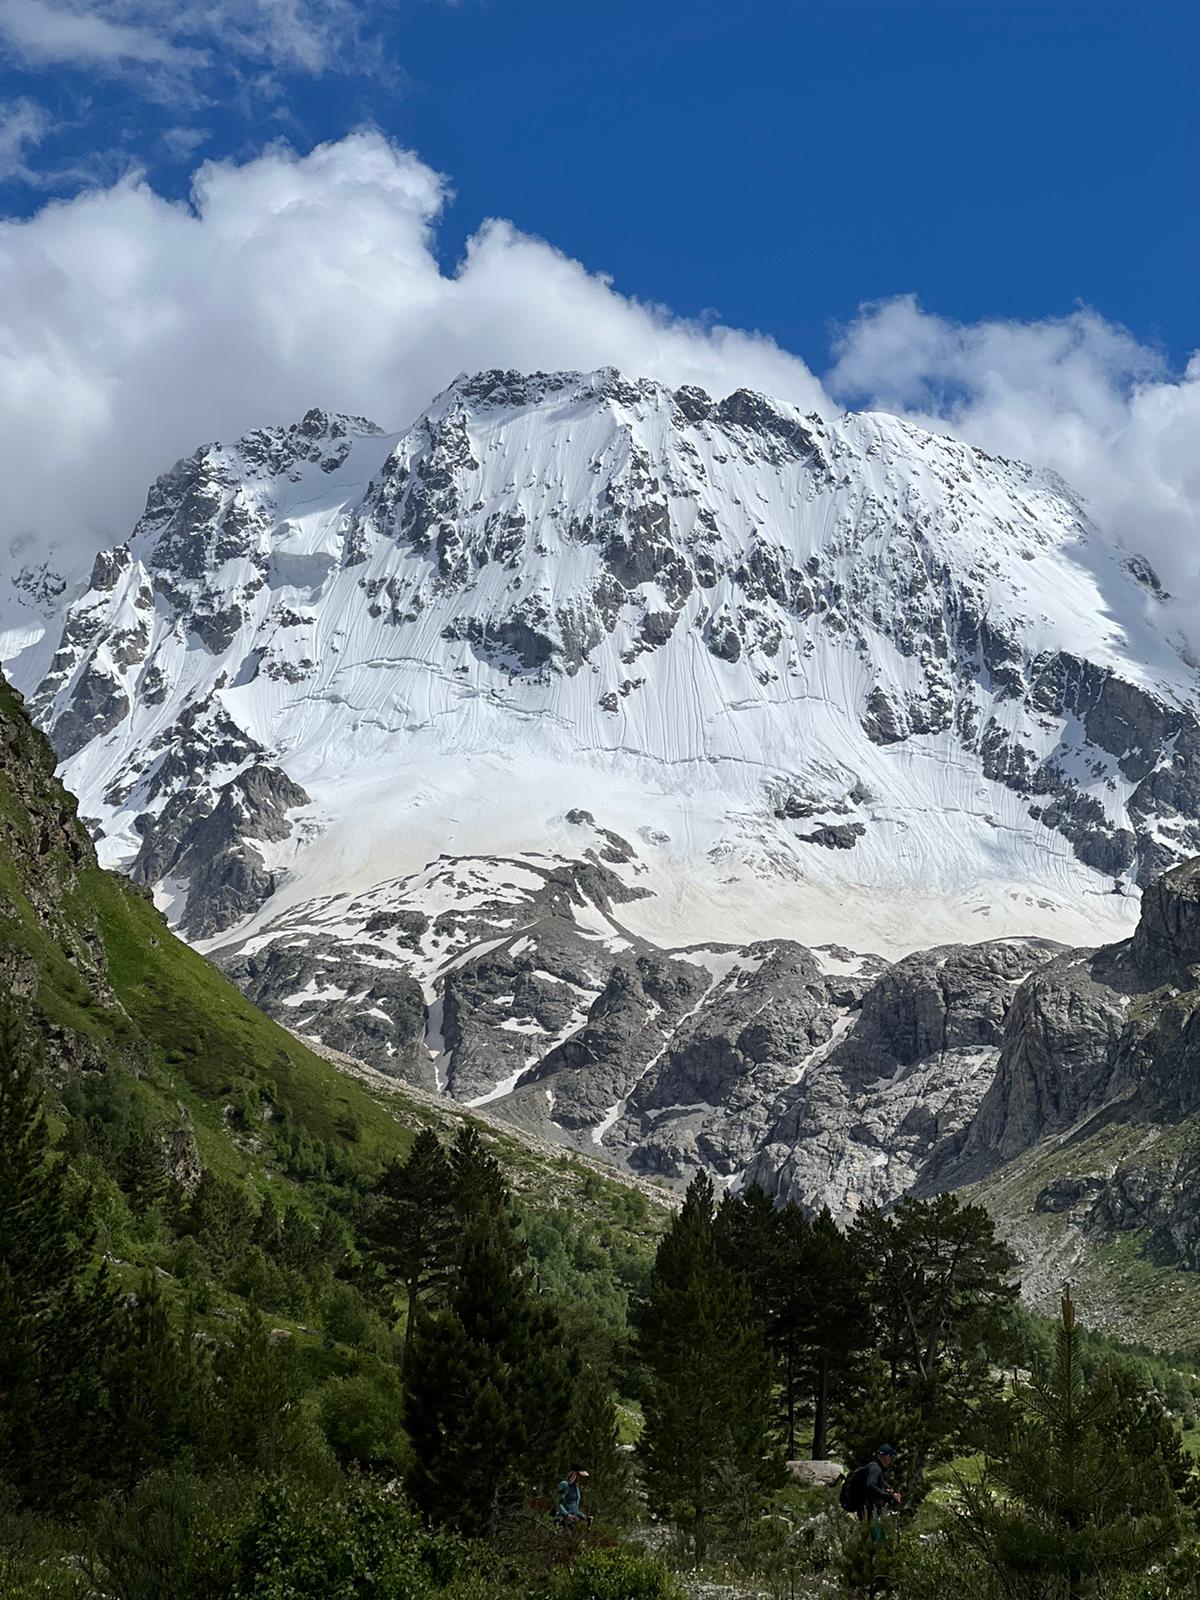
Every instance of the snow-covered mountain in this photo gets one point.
(587, 719)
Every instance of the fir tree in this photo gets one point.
(1071, 1493)
(487, 1387)
(410, 1226)
(56, 1309)
(707, 1401)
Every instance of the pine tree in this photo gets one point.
(1071, 1494)
(56, 1308)
(487, 1386)
(478, 1178)
(410, 1226)
(143, 1172)
(592, 1436)
(939, 1282)
(159, 1383)
(707, 1402)
(253, 1388)
(808, 1296)
(833, 1323)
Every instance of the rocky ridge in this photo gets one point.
(686, 779)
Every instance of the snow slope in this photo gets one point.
(687, 616)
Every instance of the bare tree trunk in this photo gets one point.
(820, 1444)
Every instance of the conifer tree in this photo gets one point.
(1070, 1495)
(939, 1282)
(808, 1295)
(707, 1402)
(478, 1178)
(833, 1319)
(592, 1435)
(253, 1389)
(410, 1226)
(143, 1173)
(487, 1386)
(56, 1308)
(159, 1383)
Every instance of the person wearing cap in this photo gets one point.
(568, 1508)
(876, 1493)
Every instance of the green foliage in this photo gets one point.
(592, 1437)
(1076, 1488)
(57, 1311)
(615, 1575)
(171, 1537)
(359, 1545)
(410, 1225)
(939, 1284)
(707, 1400)
(807, 1288)
(362, 1416)
(488, 1383)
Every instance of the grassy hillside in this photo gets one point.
(136, 1029)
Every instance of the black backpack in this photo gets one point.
(853, 1496)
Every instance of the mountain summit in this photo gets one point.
(859, 671)
(587, 714)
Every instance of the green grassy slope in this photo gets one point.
(112, 993)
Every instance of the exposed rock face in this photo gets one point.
(212, 851)
(46, 855)
(1167, 941)
(181, 1154)
(1059, 1045)
(876, 1112)
(337, 992)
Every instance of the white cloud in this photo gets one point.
(133, 329)
(23, 126)
(170, 49)
(1076, 394)
(83, 36)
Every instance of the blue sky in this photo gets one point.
(217, 213)
(772, 164)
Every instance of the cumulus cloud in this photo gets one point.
(133, 328)
(1076, 394)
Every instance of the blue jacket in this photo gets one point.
(568, 1499)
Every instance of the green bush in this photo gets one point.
(362, 1545)
(173, 1536)
(362, 1417)
(618, 1574)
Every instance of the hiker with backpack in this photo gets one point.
(865, 1491)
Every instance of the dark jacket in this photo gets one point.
(876, 1492)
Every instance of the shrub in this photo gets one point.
(363, 1418)
(615, 1575)
(361, 1545)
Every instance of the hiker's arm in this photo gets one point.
(878, 1493)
